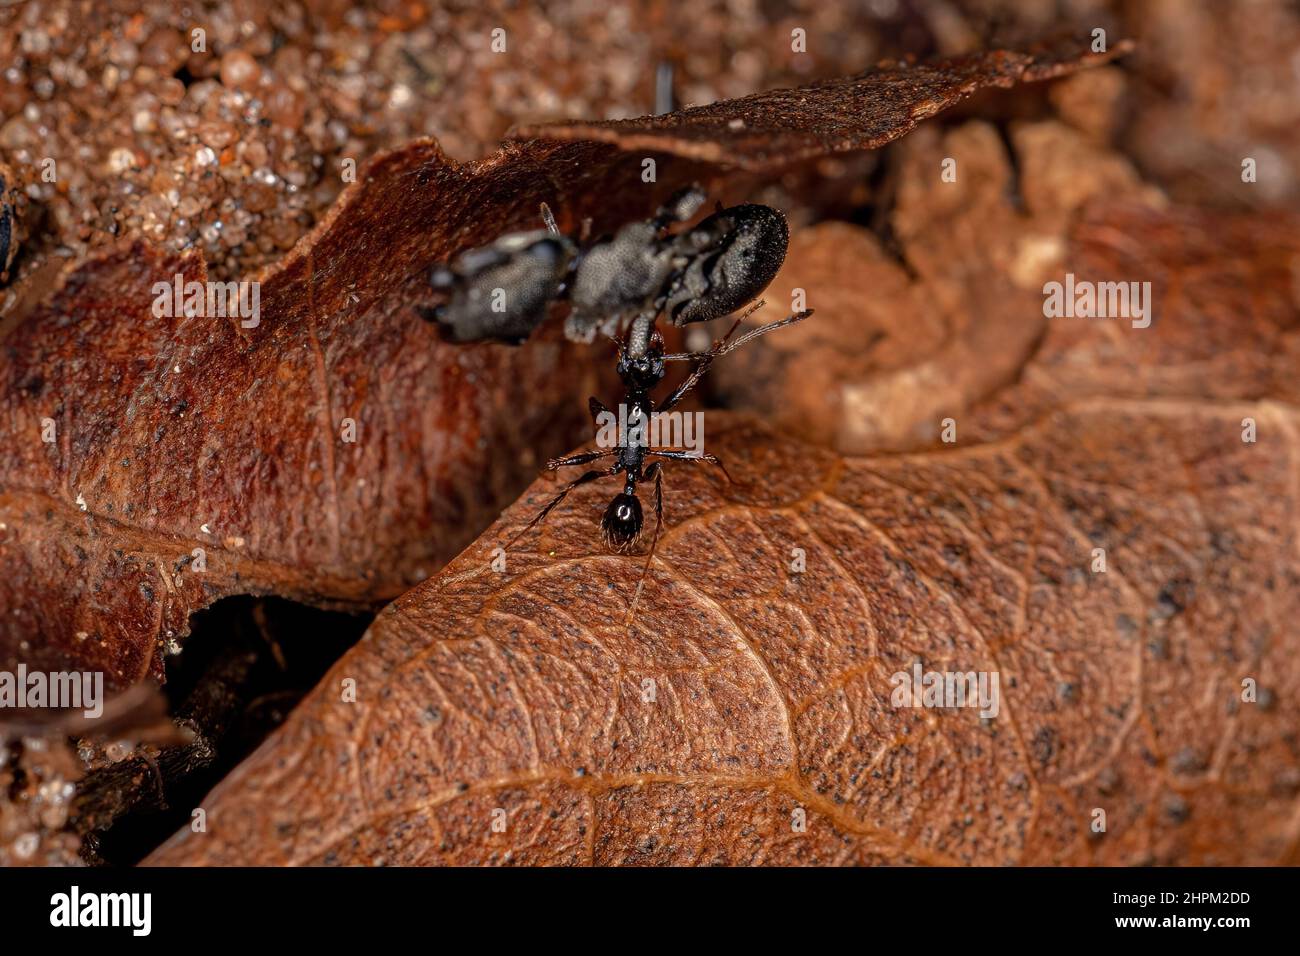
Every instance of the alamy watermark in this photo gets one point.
(62, 690)
(74, 908)
(628, 428)
(1083, 299)
(242, 300)
(944, 689)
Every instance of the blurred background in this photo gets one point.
(235, 149)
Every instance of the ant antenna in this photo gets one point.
(719, 348)
(723, 345)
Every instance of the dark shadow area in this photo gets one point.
(246, 664)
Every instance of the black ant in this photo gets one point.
(642, 365)
(502, 291)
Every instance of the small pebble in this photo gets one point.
(239, 71)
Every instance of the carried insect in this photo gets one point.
(502, 290)
(622, 284)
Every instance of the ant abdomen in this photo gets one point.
(749, 247)
(621, 525)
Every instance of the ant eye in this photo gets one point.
(622, 522)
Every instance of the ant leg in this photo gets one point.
(763, 330)
(689, 456)
(596, 406)
(549, 219)
(720, 348)
(663, 88)
(586, 479)
(579, 459)
(656, 470)
(723, 345)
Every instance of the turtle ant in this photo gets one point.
(502, 290)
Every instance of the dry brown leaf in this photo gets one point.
(176, 435)
(526, 691)
(902, 342)
(773, 129)
(1226, 322)
(968, 334)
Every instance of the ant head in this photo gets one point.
(644, 371)
(502, 291)
(621, 525)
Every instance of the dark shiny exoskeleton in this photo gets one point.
(502, 291)
(642, 366)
